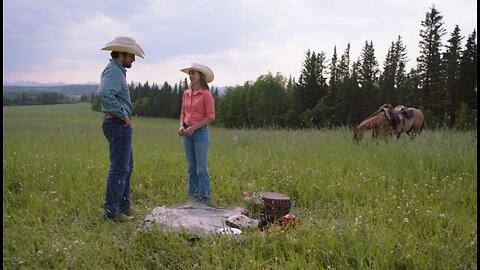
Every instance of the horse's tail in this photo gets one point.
(422, 118)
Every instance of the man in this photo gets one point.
(117, 106)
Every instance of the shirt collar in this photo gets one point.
(115, 63)
(200, 91)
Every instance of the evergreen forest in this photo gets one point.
(342, 91)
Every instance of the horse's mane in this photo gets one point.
(372, 115)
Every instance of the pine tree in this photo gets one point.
(428, 63)
(333, 87)
(408, 91)
(468, 73)
(401, 56)
(368, 79)
(290, 85)
(451, 75)
(341, 108)
(352, 95)
(311, 85)
(393, 72)
(386, 82)
(300, 94)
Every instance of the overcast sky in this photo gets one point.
(59, 41)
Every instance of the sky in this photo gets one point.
(49, 41)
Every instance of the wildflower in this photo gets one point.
(405, 220)
(358, 221)
(253, 202)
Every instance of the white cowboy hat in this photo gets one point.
(124, 44)
(201, 68)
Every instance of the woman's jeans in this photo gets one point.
(117, 193)
(196, 148)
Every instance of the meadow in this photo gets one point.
(401, 204)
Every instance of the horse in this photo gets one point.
(380, 122)
(412, 121)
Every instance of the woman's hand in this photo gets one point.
(181, 131)
(189, 131)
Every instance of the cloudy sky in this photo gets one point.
(59, 41)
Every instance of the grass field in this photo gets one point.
(373, 205)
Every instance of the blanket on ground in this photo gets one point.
(192, 217)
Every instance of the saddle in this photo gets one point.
(407, 112)
(391, 116)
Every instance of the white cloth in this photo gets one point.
(192, 217)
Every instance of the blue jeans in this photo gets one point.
(117, 192)
(196, 148)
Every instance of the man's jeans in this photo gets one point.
(196, 148)
(117, 193)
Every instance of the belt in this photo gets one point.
(185, 126)
(110, 115)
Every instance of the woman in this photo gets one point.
(196, 112)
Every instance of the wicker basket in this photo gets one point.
(276, 205)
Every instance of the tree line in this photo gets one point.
(342, 92)
(155, 101)
(26, 98)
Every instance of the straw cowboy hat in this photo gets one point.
(200, 68)
(124, 44)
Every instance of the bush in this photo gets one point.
(465, 117)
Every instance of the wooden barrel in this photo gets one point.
(276, 205)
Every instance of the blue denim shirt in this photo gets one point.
(113, 90)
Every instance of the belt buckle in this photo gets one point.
(110, 116)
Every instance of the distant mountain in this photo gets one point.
(34, 83)
(68, 89)
(31, 83)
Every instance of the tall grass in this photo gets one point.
(401, 204)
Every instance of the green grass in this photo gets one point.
(373, 205)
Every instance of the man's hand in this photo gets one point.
(126, 121)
